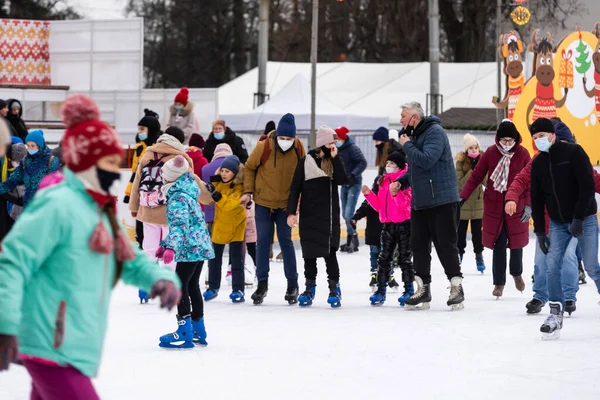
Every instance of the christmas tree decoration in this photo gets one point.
(520, 15)
(582, 58)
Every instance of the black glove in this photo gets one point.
(526, 214)
(461, 202)
(544, 242)
(126, 199)
(353, 224)
(577, 228)
(216, 196)
(211, 188)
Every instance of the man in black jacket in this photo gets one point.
(562, 182)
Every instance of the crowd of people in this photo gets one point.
(193, 198)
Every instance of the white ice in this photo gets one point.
(489, 350)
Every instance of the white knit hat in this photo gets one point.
(325, 135)
(174, 169)
(470, 140)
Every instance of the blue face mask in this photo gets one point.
(32, 152)
(543, 144)
(219, 136)
(339, 143)
(178, 108)
(142, 136)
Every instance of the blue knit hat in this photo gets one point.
(287, 126)
(563, 132)
(382, 134)
(36, 137)
(231, 163)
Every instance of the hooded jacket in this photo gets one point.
(395, 209)
(198, 158)
(184, 120)
(230, 216)
(235, 142)
(18, 125)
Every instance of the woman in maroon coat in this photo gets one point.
(502, 162)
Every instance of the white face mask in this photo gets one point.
(285, 145)
(391, 170)
(507, 147)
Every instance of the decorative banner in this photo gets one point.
(24, 52)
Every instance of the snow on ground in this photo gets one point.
(489, 350)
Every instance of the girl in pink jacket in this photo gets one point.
(394, 213)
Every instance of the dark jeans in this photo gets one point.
(189, 274)
(475, 236)
(438, 225)
(265, 219)
(237, 266)
(331, 262)
(395, 236)
(251, 248)
(499, 261)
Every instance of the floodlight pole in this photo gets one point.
(263, 51)
(314, 43)
(434, 55)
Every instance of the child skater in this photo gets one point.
(228, 228)
(188, 243)
(59, 264)
(394, 213)
(315, 185)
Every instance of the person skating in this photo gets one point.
(220, 134)
(188, 243)
(181, 114)
(59, 265)
(194, 151)
(315, 188)
(394, 213)
(15, 118)
(562, 182)
(385, 146)
(4, 110)
(472, 211)
(502, 162)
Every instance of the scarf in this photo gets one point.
(500, 174)
(171, 141)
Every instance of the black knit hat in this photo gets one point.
(398, 158)
(150, 121)
(541, 125)
(176, 133)
(507, 130)
(270, 127)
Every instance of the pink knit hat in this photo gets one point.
(221, 151)
(325, 135)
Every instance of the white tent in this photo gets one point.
(295, 98)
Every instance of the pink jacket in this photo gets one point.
(391, 209)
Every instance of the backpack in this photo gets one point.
(151, 183)
(267, 150)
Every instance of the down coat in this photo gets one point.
(473, 207)
(230, 216)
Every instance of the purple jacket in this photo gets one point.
(209, 170)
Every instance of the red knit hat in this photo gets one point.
(87, 139)
(182, 96)
(342, 132)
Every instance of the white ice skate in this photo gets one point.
(421, 299)
(249, 275)
(553, 324)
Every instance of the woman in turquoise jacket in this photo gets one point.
(61, 260)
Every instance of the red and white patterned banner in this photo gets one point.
(24, 52)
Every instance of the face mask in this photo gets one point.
(543, 144)
(107, 178)
(285, 145)
(339, 143)
(380, 146)
(32, 152)
(391, 170)
(473, 155)
(409, 130)
(178, 108)
(219, 136)
(142, 136)
(326, 151)
(507, 147)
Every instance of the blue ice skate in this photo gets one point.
(199, 332)
(182, 338)
(480, 263)
(211, 294)
(237, 297)
(144, 296)
(306, 298)
(335, 294)
(378, 298)
(409, 290)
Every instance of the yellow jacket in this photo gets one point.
(230, 216)
(140, 150)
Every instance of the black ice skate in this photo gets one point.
(570, 306)
(421, 299)
(291, 295)
(457, 295)
(582, 280)
(373, 283)
(553, 324)
(393, 284)
(261, 292)
(534, 306)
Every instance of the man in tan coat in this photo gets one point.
(267, 178)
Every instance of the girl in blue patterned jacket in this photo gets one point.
(189, 244)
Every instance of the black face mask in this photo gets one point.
(107, 178)
(326, 151)
(380, 146)
(409, 130)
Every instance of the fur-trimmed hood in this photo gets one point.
(239, 178)
(466, 161)
(187, 109)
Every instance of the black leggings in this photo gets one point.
(331, 262)
(499, 260)
(189, 274)
(475, 236)
(251, 248)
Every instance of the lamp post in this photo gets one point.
(434, 56)
(314, 46)
(263, 51)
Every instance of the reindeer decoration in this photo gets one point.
(544, 105)
(511, 49)
(595, 92)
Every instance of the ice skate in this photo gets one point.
(335, 294)
(570, 306)
(228, 277)
(421, 299)
(307, 297)
(261, 292)
(582, 280)
(480, 263)
(237, 297)
(249, 276)
(291, 295)
(182, 338)
(352, 244)
(457, 295)
(373, 283)
(143, 295)
(199, 332)
(519, 283)
(211, 294)
(378, 298)
(409, 290)
(534, 306)
(498, 290)
(344, 247)
(554, 322)
(393, 284)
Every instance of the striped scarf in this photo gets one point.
(500, 174)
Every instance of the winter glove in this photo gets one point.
(216, 196)
(168, 293)
(211, 188)
(353, 224)
(159, 253)
(577, 228)
(544, 242)
(461, 202)
(526, 214)
(126, 199)
(9, 348)
(168, 256)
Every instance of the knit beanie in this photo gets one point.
(342, 132)
(270, 127)
(231, 163)
(197, 140)
(36, 137)
(18, 151)
(87, 139)
(221, 151)
(150, 121)
(381, 134)
(3, 104)
(182, 96)
(325, 135)
(398, 158)
(287, 126)
(470, 140)
(174, 169)
(541, 125)
(176, 133)
(564, 133)
(508, 130)
(393, 134)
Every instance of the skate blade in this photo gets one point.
(182, 346)
(551, 336)
(378, 304)
(457, 307)
(197, 343)
(423, 306)
(304, 304)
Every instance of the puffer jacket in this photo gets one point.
(138, 153)
(394, 209)
(235, 142)
(16, 121)
(230, 216)
(188, 234)
(473, 207)
(355, 162)
(198, 159)
(184, 120)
